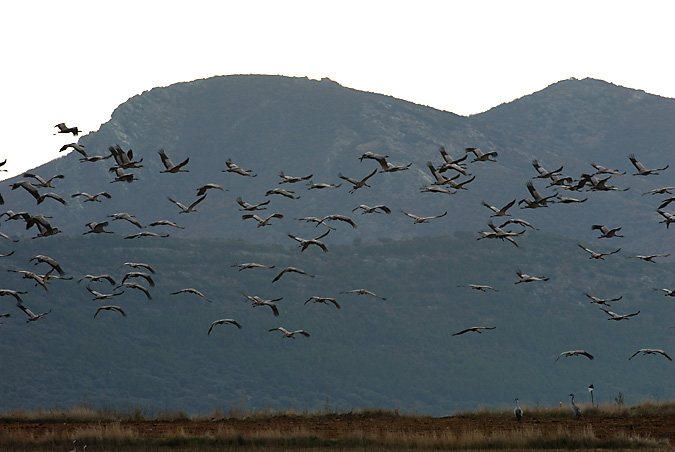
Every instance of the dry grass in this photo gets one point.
(649, 407)
(83, 413)
(114, 437)
(103, 430)
(78, 413)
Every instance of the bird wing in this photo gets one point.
(241, 202)
(255, 217)
(507, 207)
(462, 332)
(197, 202)
(26, 310)
(233, 322)
(217, 322)
(440, 179)
(586, 354)
(639, 166)
(201, 190)
(323, 235)
(280, 275)
(248, 296)
(139, 287)
(587, 250)
(297, 270)
(295, 238)
(182, 164)
(538, 167)
(562, 354)
(348, 179)
(368, 176)
(182, 206)
(533, 191)
(145, 276)
(338, 217)
(168, 164)
(414, 217)
(112, 308)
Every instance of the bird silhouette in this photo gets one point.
(651, 351)
(169, 165)
(223, 322)
(575, 409)
(518, 411)
(65, 129)
(262, 221)
(364, 292)
(419, 219)
(190, 208)
(356, 184)
(617, 317)
(290, 334)
(606, 232)
(641, 170)
(192, 291)
(475, 329)
(110, 308)
(574, 353)
(291, 270)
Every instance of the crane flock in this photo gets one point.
(442, 183)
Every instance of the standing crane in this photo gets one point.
(575, 409)
(518, 411)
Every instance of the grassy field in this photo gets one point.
(647, 426)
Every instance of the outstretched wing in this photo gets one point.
(197, 202)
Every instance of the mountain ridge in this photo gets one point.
(302, 126)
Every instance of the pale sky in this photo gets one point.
(76, 61)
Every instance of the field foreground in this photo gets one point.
(551, 429)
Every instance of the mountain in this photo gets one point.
(393, 353)
(398, 353)
(299, 126)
